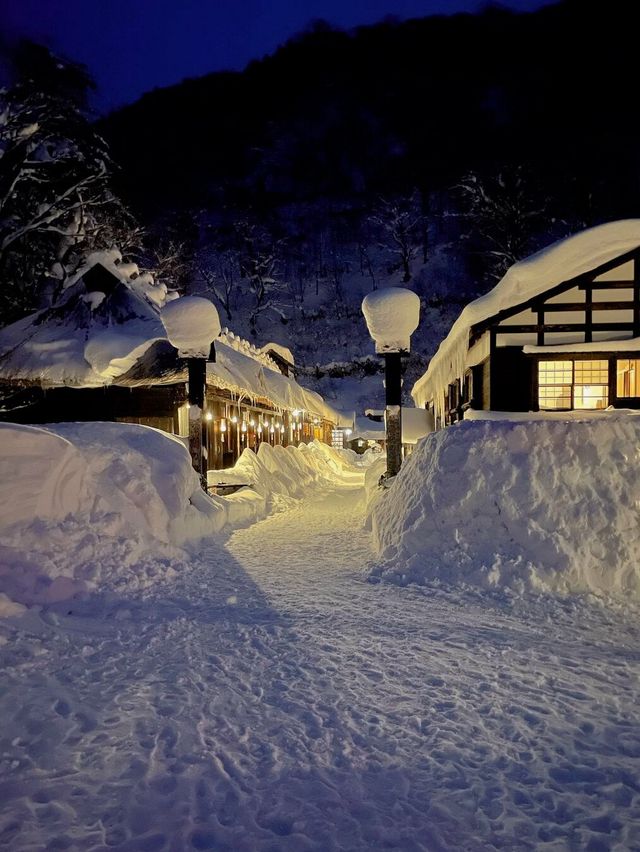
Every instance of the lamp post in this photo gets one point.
(192, 324)
(392, 315)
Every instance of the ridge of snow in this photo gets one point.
(549, 505)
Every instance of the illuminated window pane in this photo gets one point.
(553, 397)
(591, 372)
(555, 372)
(628, 377)
(590, 396)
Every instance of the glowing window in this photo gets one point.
(573, 384)
(628, 377)
(555, 379)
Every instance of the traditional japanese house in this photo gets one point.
(560, 331)
(101, 353)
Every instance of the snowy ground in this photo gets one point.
(271, 699)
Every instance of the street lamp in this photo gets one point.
(392, 315)
(192, 324)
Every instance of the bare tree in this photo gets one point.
(55, 201)
(400, 224)
(505, 213)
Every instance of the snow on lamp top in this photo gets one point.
(192, 324)
(392, 315)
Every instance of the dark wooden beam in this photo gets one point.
(558, 307)
(636, 295)
(574, 326)
(607, 285)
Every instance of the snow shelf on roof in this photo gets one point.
(561, 261)
(242, 374)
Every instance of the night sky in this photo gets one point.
(131, 46)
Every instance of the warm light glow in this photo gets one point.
(272, 430)
(282, 429)
(252, 423)
(209, 415)
(223, 425)
(234, 419)
(243, 427)
(295, 412)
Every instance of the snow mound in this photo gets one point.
(192, 324)
(546, 506)
(277, 475)
(392, 315)
(91, 505)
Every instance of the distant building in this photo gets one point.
(101, 353)
(560, 332)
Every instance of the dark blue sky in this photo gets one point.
(131, 46)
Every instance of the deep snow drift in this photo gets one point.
(545, 505)
(113, 505)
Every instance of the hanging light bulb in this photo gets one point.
(252, 422)
(272, 430)
(282, 430)
(244, 426)
(223, 425)
(234, 419)
(209, 415)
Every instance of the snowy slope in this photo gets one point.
(546, 505)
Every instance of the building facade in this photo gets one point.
(560, 332)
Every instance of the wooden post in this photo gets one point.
(197, 381)
(393, 389)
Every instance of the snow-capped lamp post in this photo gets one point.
(392, 315)
(192, 324)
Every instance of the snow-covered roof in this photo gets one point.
(95, 339)
(279, 349)
(392, 315)
(87, 339)
(559, 262)
(368, 430)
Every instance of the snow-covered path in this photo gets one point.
(270, 699)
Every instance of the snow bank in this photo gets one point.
(392, 315)
(278, 475)
(93, 504)
(543, 505)
(113, 505)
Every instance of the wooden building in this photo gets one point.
(101, 353)
(560, 332)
